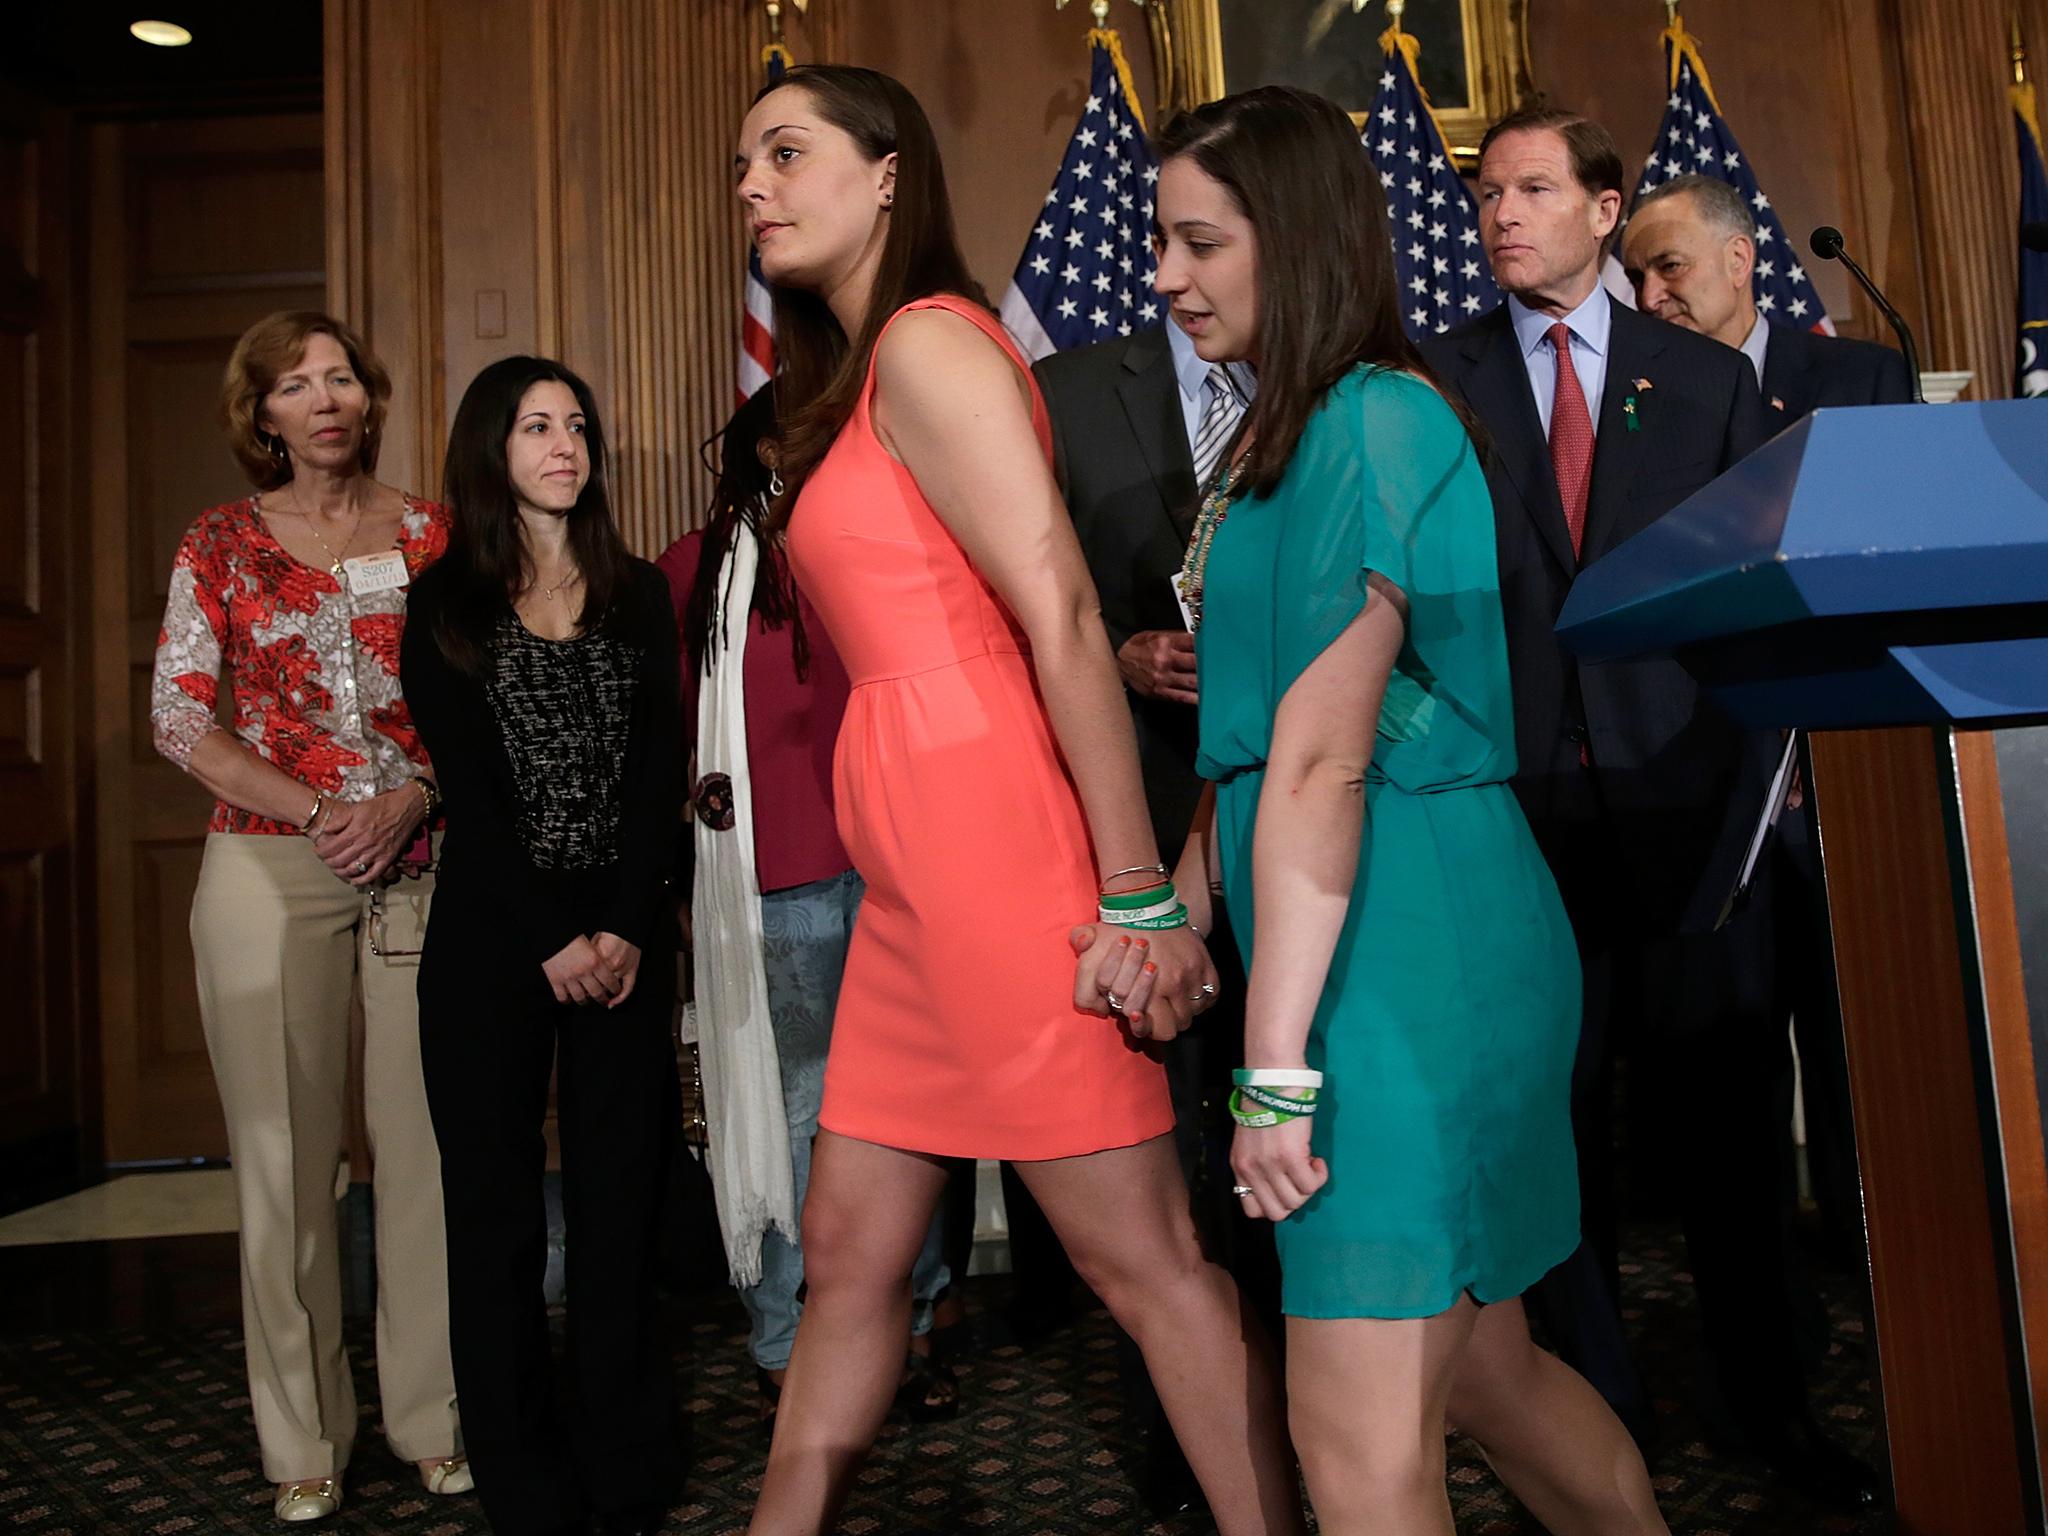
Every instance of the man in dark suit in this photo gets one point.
(1139, 424)
(1640, 790)
(1690, 252)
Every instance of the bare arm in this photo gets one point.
(955, 411)
(1311, 821)
(232, 771)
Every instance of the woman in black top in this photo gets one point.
(540, 664)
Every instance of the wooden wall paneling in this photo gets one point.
(381, 134)
(42, 1055)
(1940, 1342)
(167, 297)
(1955, 55)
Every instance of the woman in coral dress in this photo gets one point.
(987, 788)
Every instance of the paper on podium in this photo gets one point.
(1766, 823)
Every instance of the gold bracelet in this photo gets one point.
(319, 804)
(430, 796)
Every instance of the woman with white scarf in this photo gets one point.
(773, 901)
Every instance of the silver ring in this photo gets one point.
(1114, 1001)
(1240, 1190)
(362, 868)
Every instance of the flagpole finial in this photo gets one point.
(2019, 53)
(1394, 10)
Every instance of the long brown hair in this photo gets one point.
(487, 562)
(821, 371)
(1328, 298)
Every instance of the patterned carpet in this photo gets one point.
(117, 1430)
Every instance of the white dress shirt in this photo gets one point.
(1192, 373)
(1754, 346)
(1590, 326)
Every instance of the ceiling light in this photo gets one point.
(163, 34)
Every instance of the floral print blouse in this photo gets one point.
(314, 664)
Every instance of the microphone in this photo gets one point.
(1827, 245)
(2034, 237)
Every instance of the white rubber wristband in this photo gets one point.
(1282, 1077)
(1164, 908)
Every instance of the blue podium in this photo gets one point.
(1879, 578)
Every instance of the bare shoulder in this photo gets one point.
(945, 364)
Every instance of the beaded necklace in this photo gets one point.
(1195, 567)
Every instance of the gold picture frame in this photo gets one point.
(1187, 50)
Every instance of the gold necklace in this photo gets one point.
(355, 527)
(569, 580)
(1194, 568)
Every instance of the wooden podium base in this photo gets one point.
(1947, 1103)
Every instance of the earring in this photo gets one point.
(274, 445)
(889, 200)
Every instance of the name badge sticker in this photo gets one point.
(368, 574)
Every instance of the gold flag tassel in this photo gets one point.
(1410, 48)
(2023, 100)
(1107, 38)
(1685, 49)
(776, 51)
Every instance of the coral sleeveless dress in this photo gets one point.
(957, 1033)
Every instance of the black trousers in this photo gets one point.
(491, 1033)
(1695, 1017)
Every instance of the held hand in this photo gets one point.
(1159, 977)
(1160, 663)
(1275, 1162)
(359, 840)
(579, 974)
(624, 961)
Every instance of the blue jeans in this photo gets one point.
(805, 932)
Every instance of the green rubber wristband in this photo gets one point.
(1300, 1108)
(1260, 1119)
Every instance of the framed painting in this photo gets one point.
(1474, 59)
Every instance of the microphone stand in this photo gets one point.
(1826, 243)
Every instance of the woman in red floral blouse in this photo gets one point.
(315, 883)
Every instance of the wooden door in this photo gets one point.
(198, 227)
(41, 1113)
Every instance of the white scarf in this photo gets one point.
(748, 1128)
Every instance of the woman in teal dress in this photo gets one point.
(1403, 935)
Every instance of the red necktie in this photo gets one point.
(1571, 437)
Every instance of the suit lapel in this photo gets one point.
(1497, 384)
(1789, 389)
(1151, 400)
(1633, 344)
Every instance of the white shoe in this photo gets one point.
(310, 1498)
(449, 1475)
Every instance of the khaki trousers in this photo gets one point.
(280, 944)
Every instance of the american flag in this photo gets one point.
(2031, 378)
(1695, 139)
(1443, 272)
(1086, 272)
(757, 309)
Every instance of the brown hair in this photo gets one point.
(822, 371)
(1596, 162)
(1328, 295)
(270, 348)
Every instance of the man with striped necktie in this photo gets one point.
(1139, 425)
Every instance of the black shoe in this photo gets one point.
(632, 1522)
(1803, 1459)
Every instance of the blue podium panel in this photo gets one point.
(1879, 565)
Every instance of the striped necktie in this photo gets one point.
(1221, 412)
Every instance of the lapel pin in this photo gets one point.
(1643, 384)
(1777, 403)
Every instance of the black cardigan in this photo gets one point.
(482, 853)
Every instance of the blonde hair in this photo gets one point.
(268, 349)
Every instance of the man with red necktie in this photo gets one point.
(1641, 791)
